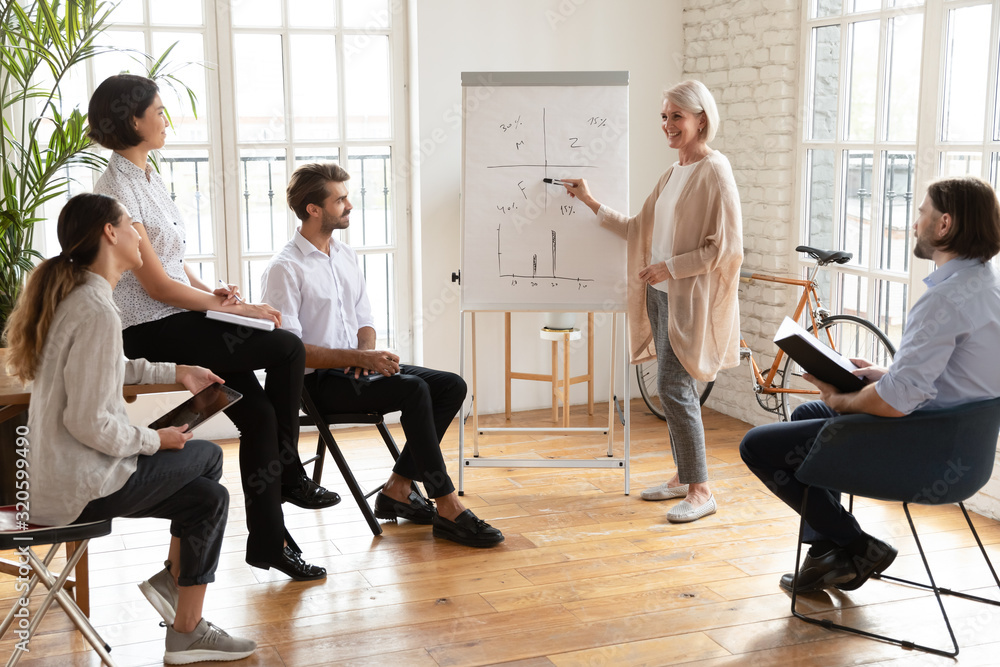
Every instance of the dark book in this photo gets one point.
(816, 358)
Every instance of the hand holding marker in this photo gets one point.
(556, 181)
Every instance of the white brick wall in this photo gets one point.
(747, 53)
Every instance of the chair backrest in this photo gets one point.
(930, 456)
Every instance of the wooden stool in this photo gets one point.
(560, 386)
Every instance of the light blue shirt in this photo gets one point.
(950, 352)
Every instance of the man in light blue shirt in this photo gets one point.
(948, 356)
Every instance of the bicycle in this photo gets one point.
(782, 389)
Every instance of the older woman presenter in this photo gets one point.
(685, 248)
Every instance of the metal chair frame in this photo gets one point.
(25, 541)
(326, 441)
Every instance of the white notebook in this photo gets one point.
(232, 318)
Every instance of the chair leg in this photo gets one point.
(58, 594)
(318, 460)
(327, 438)
(393, 448)
(948, 591)
(830, 625)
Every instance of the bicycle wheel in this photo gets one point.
(852, 337)
(646, 374)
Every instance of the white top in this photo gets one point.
(663, 217)
(147, 200)
(81, 445)
(323, 299)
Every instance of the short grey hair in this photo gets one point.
(693, 97)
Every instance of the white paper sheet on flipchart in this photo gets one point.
(528, 245)
(790, 328)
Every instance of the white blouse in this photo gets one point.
(145, 196)
(662, 247)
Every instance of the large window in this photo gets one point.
(279, 83)
(860, 151)
(898, 93)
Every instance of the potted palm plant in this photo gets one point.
(41, 41)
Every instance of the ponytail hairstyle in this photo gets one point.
(80, 228)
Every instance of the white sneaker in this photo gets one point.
(161, 591)
(684, 513)
(205, 642)
(664, 492)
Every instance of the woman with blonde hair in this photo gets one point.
(87, 462)
(685, 248)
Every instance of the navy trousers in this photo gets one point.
(775, 451)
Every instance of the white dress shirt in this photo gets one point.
(81, 444)
(323, 299)
(147, 200)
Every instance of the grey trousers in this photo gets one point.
(183, 486)
(678, 396)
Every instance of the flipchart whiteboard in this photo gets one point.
(528, 245)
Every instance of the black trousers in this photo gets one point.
(183, 486)
(774, 452)
(429, 401)
(268, 417)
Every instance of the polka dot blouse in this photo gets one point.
(144, 195)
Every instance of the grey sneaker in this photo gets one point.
(205, 642)
(161, 591)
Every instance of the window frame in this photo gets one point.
(223, 147)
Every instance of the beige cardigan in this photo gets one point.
(704, 316)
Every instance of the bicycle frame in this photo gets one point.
(817, 313)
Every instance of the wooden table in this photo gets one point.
(14, 399)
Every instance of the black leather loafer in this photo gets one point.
(418, 509)
(468, 530)
(309, 495)
(819, 572)
(877, 557)
(291, 563)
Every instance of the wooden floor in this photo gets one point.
(587, 575)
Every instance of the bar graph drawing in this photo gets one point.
(534, 275)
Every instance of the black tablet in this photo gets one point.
(203, 405)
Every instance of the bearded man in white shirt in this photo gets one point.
(318, 285)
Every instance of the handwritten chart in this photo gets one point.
(528, 245)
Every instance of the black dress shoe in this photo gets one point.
(290, 562)
(418, 509)
(468, 530)
(309, 495)
(819, 572)
(877, 557)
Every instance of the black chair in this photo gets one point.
(326, 441)
(930, 457)
(24, 539)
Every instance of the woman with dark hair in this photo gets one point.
(87, 462)
(163, 303)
